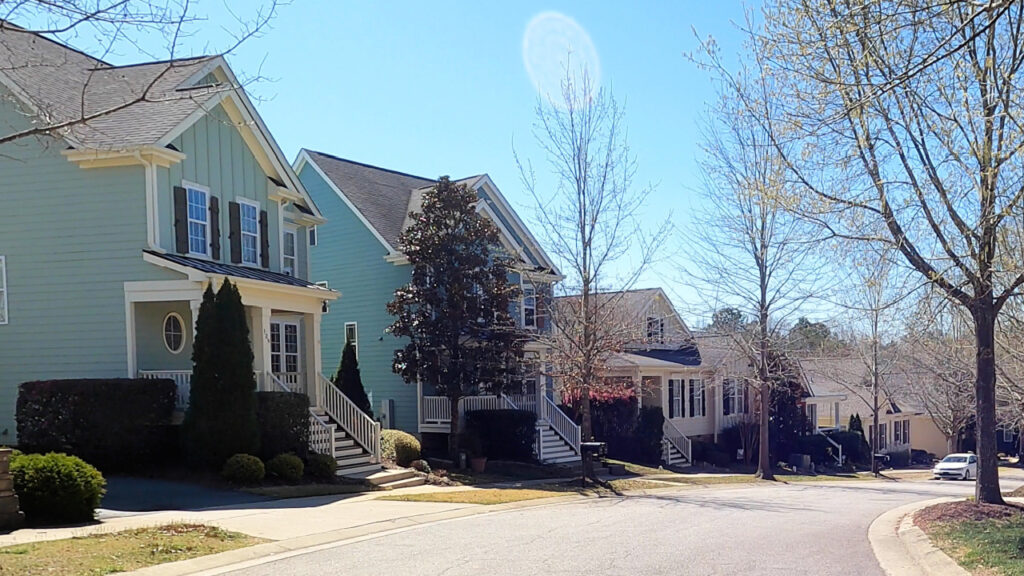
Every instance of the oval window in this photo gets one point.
(174, 333)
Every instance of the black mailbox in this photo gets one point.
(598, 449)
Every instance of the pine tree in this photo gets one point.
(221, 417)
(348, 380)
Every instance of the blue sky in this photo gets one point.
(441, 88)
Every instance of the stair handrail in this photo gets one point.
(561, 423)
(278, 383)
(682, 443)
(321, 435)
(509, 404)
(363, 429)
(837, 445)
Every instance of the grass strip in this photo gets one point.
(119, 551)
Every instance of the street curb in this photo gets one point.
(903, 549)
(278, 550)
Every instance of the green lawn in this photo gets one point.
(118, 552)
(988, 546)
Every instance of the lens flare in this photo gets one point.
(555, 45)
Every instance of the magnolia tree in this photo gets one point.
(460, 338)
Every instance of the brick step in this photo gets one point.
(404, 483)
(386, 476)
(358, 471)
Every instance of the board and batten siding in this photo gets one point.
(218, 158)
(71, 238)
(351, 259)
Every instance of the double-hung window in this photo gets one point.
(732, 398)
(198, 222)
(656, 330)
(897, 433)
(249, 213)
(697, 403)
(288, 252)
(3, 290)
(675, 397)
(906, 431)
(352, 336)
(529, 306)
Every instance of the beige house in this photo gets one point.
(903, 425)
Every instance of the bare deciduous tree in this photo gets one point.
(929, 149)
(85, 103)
(591, 221)
(752, 254)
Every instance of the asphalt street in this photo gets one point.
(795, 529)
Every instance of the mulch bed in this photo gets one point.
(957, 512)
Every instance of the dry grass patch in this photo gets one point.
(119, 552)
(485, 497)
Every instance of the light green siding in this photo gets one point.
(351, 259)
(71, 238)
(218, 158)
(149, 336)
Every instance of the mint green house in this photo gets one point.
(358, 254)
(131, 189)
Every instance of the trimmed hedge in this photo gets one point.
(400, 447)
(855, 447)
(57, 488)
(116, 424)
(287, 467)
(284, 423)
(243, 469)
(504, 434)
(321, 466)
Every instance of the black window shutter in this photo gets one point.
(180, 220)
(691, 398)
(726, 397)
(746, 398)
(235, 232)
(671, 398)
(264, 240)
(215, 227)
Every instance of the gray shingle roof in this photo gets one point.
(235, 271)
(384, 197)
(127, 105)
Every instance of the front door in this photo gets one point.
(284, 353)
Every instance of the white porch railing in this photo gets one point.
(321, 435)
(182, 380)
(292, 381)
(677, 439)
(523, 401)
(560, 422)
(838, 454)
(363, 429)
(436, 410)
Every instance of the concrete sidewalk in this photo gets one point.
(273, 520)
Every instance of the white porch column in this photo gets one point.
(194, 307)
(259, 335)
(129, 323)
(638, 385)
(312, 369)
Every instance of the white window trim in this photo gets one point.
(1007, 432)
(241, 229)
(355, 339)
(188, 218)
(677, 402)
(522, 307)
(294, 231)
(163, 332)
(3, 291)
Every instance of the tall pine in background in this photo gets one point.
(348, 380)
(221, 416)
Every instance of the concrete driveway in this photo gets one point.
(128, 495)
(793, 529)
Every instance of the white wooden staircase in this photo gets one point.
(676, 448)
(558, 437)
(340, 429)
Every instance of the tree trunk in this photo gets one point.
(876, 435)
(986, 489)
(764, 458)
(453, 431)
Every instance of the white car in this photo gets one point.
(959, 466)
